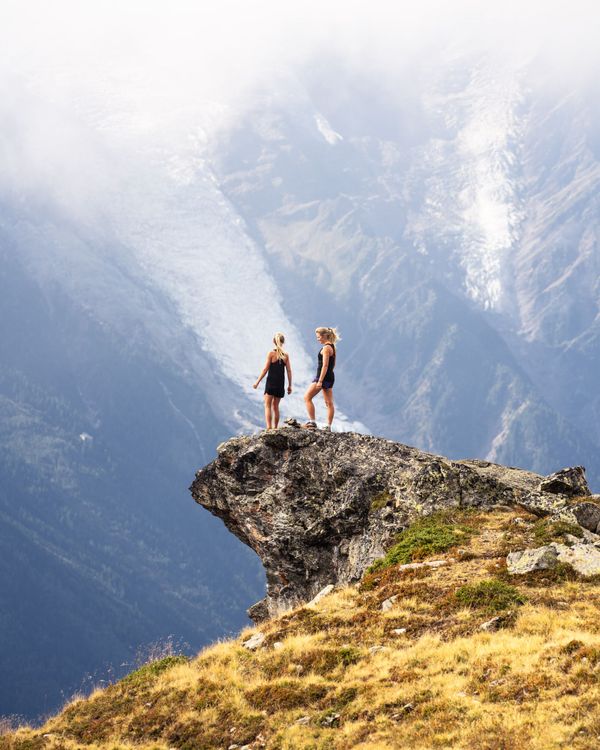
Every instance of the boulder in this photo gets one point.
(254, 642)
(500, 621)
(584, 559)
(259, 611)
(570, 482)
(587, 515)
(322, 593)
(526, 561)
(424, 564)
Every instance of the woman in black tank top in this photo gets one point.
(277, 364)
(325, 377)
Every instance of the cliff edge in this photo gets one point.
(318, 508)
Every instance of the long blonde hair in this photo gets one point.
(332, 335)
(279, 340)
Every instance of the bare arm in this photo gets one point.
(288, 368)
(265, 370)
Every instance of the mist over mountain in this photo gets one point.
(466, 285)
(158, 223)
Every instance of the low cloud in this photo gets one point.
(72, 72)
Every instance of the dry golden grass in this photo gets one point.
(337, 676)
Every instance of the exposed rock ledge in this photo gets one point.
(319, 507)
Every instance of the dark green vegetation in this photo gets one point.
(492, 595)
(546, 531)
(426, 536)
(153, 669)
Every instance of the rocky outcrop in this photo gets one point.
(583, 558)
(570, 482)
(319, 507)
(587, 515)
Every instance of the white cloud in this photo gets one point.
(71, 70)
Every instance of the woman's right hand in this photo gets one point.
(255, 386)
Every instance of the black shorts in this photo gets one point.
(276, 392)
(327, 384)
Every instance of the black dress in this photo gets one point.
(329, 378)
(275, 385)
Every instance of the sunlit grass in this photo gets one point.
(348, 675)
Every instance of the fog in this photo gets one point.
(79, 80)
(154, 52)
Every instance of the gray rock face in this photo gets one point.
(570, 482)
(254, 642)
(526, 561)
(587, 515)
(320, 507)
(584, 558)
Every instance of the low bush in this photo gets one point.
(427, 536)
(493, 595)
(546, 531)
(153, 669)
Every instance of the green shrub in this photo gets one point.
(546, 531)
(492, 595)
(153, 669)
(427, 536)
(348, 655)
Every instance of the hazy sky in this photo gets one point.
(104, 105)
(158, 62)
(221, 47)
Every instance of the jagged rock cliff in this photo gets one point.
(319, 507)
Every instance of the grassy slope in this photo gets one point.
(337, 676)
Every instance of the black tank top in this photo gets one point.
(276, 375)
(329, 376)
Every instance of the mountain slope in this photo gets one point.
(420, 238)
(445, 219)
(102, 554)
(353, 672)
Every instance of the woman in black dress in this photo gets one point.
(278, 362)
(325, 378)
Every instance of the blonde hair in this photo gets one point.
(279, 340)
(331, 334)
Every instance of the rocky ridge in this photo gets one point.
(318, 508)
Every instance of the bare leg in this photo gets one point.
(311, 392)
(268, 404)
(328, 398)
(276, 412)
